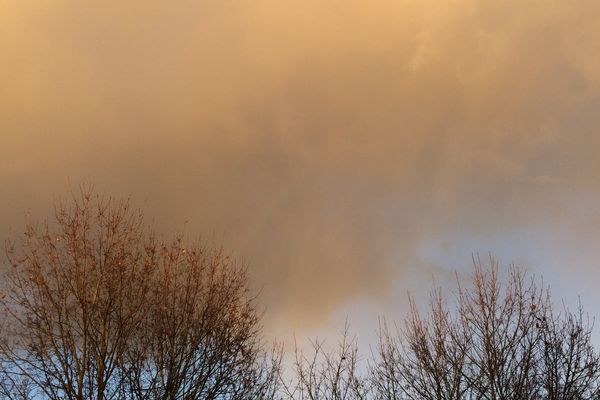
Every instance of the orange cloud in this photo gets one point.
(324, 141)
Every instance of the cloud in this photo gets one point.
(327, 142)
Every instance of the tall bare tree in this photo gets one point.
(96, 307)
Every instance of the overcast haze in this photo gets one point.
(347, 150)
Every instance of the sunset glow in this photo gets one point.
(348, 151)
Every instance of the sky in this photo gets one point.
(348, 151)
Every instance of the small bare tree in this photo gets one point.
(95, 307)
(328, 375)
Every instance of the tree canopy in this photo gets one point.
(96, 306)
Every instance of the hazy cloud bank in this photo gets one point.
(334, 145)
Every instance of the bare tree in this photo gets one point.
(570, 366)
(328, 375)
(202, 335)
(503, 342)
(426, 360)
(501, 359)
(97, 308)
